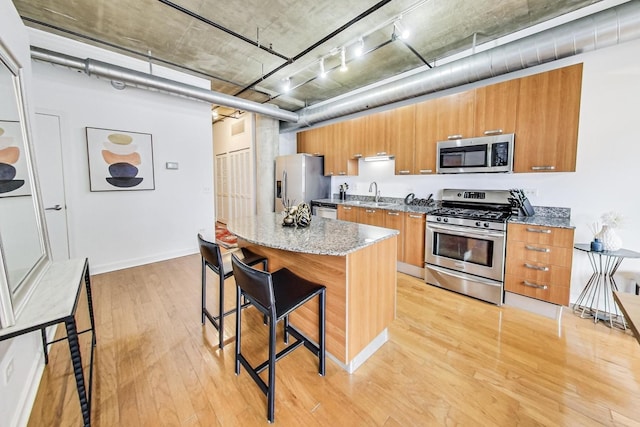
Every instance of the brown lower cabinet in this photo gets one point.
(414, 229)
(539, 262)
(410, 225)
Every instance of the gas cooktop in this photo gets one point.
(481, 214)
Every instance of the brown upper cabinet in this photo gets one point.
(312, 141)
(547, 121)
(495, 108)
(542, 110)
(425, 138)
(455, 116)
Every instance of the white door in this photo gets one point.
(48, 147)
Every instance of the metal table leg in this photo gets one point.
(76, 360)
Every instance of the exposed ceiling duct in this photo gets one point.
(603, 29)
(149, 81)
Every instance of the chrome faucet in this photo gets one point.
(376, 196)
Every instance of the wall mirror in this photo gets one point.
(22, 244)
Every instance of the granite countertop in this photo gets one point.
(545, 221)
(395, 204)
(322, 237)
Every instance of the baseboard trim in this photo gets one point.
(120, 265)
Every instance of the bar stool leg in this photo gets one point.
(238, 328)
(271, 390)
(221, 313)
(321, 338)
(204, 288)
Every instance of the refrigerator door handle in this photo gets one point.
(284, 188)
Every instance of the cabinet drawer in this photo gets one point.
(541, 235)
(539, 253)
(543, 274)
(542, 291)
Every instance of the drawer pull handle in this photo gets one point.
(342, 173)
(393, 213)
(536, 267)
(415, 216)
(317, 154)
(543, 168)
(369, 211)
(493, 132)
(539, 230)
(357, 156)
(346, 208)
(381, 153)
(535, 285)
(458, 136)
(426, 170)
(403, 172)
(533, 248)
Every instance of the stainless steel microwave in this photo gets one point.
(476, 155)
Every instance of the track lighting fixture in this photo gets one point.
(359, 50)
(399, 31)
(286, 84)
(214, 114)
(323, 73)
(343, 59)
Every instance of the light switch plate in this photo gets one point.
(172, 165)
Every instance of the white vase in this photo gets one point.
(609, 238)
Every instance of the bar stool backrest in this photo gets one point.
(210, 253)
(256, 285)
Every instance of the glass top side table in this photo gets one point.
(598, 292)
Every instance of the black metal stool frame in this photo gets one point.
(265, 301)
(212, 258)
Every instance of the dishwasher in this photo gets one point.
(324, 209)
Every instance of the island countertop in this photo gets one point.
(322, 237)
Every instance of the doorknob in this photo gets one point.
(54, 208)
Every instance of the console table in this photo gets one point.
(55, 300)
(598, 292)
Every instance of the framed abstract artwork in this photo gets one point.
(119, 160)
(14, 174)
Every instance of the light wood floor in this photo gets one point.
(450, 360)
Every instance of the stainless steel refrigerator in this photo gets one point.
(299, 178)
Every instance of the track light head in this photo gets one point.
(359, 50)
(343, 59)
(323, 72)
(399, 31)
(286, 84)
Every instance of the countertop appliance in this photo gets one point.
(300, 178)
(492, 153)
(465, 243)
(324, 209)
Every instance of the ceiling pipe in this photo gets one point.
(148, 81)
(603, 29)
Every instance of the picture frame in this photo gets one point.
(119, 160)
(14, 172)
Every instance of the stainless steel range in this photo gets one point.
(465, 243)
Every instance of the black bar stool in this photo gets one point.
(220, 263)
(276, 295)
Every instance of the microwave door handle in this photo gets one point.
(467, 232)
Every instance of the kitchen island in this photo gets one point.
(357, 264)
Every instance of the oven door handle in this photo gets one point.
(459, 276)
(455, 231)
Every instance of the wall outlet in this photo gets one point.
(530, 192)
(8, 371)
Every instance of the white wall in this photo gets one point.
(16, 395)
(607, 173)
(118, 229)
(225, 142)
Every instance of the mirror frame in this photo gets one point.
(11, 304)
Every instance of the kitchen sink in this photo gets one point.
(378, 204)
